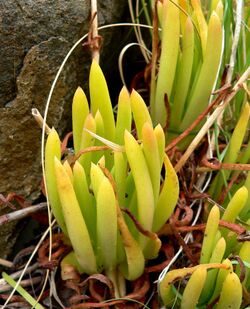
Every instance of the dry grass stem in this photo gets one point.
(22, 213)
(94, 31)
(39, 119)
(23, 283)
(6, 263)
(24, 271)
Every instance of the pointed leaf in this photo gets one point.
(124, 116)
(140, 112)
(184, 75)
(203, 87)
(106, 233)
(231, 294)
(100, 99)
(52, 150)
(168, 197)
(210, 234)
(144, 190)
(160, 137)
(168, 60)
(151, 154)
(76, 227)
(87, 141)
(85, 200)
(80, 110)
(133, 267)
(193, 288)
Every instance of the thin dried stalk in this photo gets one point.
(22, 213)
(94, 31)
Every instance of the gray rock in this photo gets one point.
(35, 36)
(19, 134)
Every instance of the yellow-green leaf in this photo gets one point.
(76, 227)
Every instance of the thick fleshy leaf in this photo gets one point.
(232, 153)
(100, 132)
(216, 257)
(100, 99)
(120, 175)
(80, 110)
(133, 267)
(85, 200)
(210, 235)
(151, 154)
(245, 257)
(124, 116)
(231, 293)
(203, 86)
(140, 112)
(76, 227)
(168, 59)
(168, 197)
(160, 137)
(52, 150)
(144, 189)
(201, 23)
(106, 224)
(166, 292)
(183, 75)
(193, 288)
(68, 169)
(97, 176)
(220, 279)
(236, 204)
(87, 141)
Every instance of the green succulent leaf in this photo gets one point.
(87, 141)
(52, 150)
(80, 110)
(236, 204)
(216, 257)
(144, 189)
(193, 288)
(151, 154)
(203, 87)
(220, 279)
(133, 267)
(160, 137)
(106, 233)
(100, 99)
(85, 200)
(165, 287)
(210, 235)
(140, 112)
(168, 197)
(183, 75)
(231, 293)
(168, 60)
(124, 116)
(76, 226)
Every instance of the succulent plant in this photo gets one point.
(110, 170)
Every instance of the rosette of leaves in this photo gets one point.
(187, 54)
(112, 170)
(214, 282)
(189, 62)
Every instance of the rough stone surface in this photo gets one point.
(35, 36)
